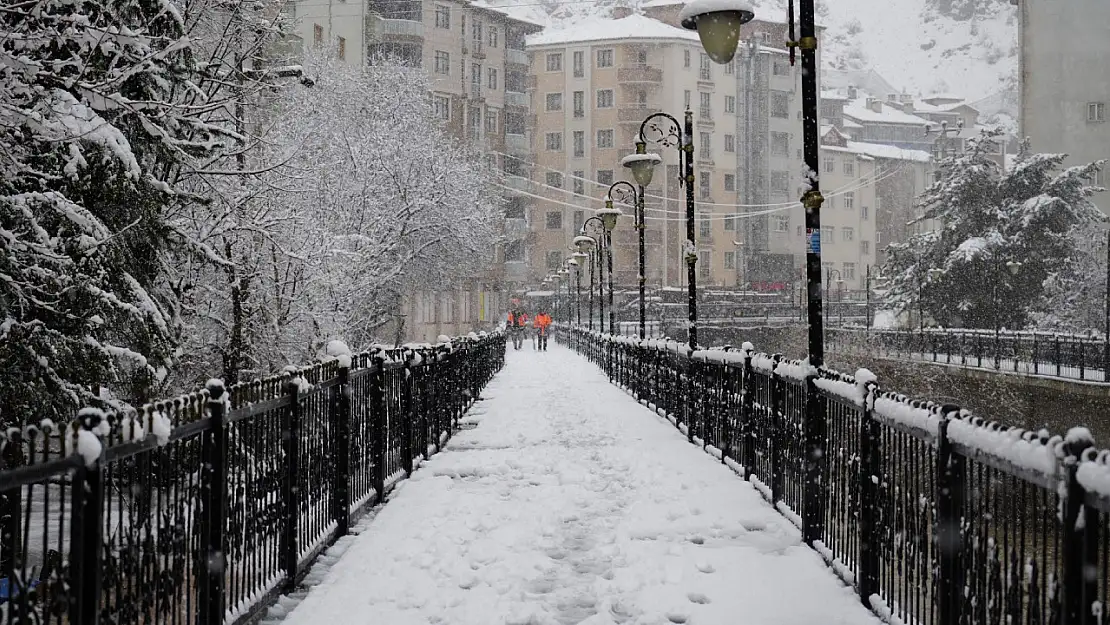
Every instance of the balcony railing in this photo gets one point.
(515, 228)
(639, 74)
(402, 28)
(520, 183)
(632, 113)
(515, 98)
(705, 74)
(516, 143)
(519, 57)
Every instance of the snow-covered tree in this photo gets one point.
(91, 125)
(999, 236)
(1075, 294)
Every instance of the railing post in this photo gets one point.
(776, 432)
(1080, 587)
(950, 484)
(689, 403)
(408, 413)
(341, 421)
(869, 470)
(213, 497)
(291, 492)
(379, 426)
(86, 542)
(747, 448)
(816, 435)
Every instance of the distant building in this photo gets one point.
(1065, 80)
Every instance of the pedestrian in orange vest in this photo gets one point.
(543, 320)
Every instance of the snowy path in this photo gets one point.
(570, 503)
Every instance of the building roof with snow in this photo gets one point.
(868, 81)
(878, 150)
(512, 12)
(859, 111)
(632, 27)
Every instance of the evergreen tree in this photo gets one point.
(998, 236)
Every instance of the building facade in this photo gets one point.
(1065, 80)
(475, 59)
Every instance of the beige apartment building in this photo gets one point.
(592, 86)
(475, 58)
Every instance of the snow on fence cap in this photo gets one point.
(1094, 472)
(1021, 448)
(339, 351)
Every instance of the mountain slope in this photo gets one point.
(965, 47)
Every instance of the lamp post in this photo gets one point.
(626, 193)
(572, 266)
(579, 257)
(562, 279)
(587, 244)
(643, 178)
(1014, 267)
(608, 217)
(839, 293)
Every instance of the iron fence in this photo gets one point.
(201, 509)
(932, 515)
(1072, 356)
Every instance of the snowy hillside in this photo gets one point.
(920, 46)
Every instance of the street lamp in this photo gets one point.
(597, 245)
(609, 216)
(668, 132)
(587, 244)
(580, 258)
(626, 193)
(642, 166)
(718, 24)
(1014, 267)
(572, 266)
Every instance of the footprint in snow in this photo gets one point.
(697, 597)
(697, 540)
(677, 617)
(705, 567)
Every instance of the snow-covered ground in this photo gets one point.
(569, 503)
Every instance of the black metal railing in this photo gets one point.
(932, 515)
(1071, 356)
(201, 509)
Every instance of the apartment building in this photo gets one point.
(593, 85)
(474, 56)
(1065, 80)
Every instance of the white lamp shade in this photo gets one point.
(642, 166)
(718, 24)
(609, 217)
(584, 244)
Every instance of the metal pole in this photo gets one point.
(691, 248)
(867, 311)
(609, 259)
(815, 430)
(601, 283)
(640, 219)
(578, 294)
(590, 320)
(840, 299)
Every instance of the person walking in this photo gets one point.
(543, 320)
(518, 323)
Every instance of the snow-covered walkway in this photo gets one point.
(570, 503)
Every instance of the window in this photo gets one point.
(705, 71)
(849, 168)
(554, 141)
(579, 62)
(782, 223)
(780, 104)
(864, 212)
(703, 104)
(476, 78)
(342, 51)
(780, 68)
(686, 58)
(830, 165)
(1096, 112)
(554, 102)
(443, 16)
(604, 139)
(730, 182)
(730, 260)
(730, 68)
(826, 235)
(579, 184)
(605, 176)
(554, 260)
(554, 220)
(491, 121)
(605, 58)
(705, 264)
(604, 98)
(849, 271)
(514, 252)
(441, 105)
(780, 183)
(730, 222)
(492, 82)
(492, 37)
(579, 219)
(730, 104)
(317, 34)
(579, 138)
(555, 179)
(865, 247)
(476, 33)
(705, 185)
(705, 226)
(579, 103)
(442, 63)
(730, 143)
(780, 144)
(555, 62)
(686, 98)
(848, 234)
(703, 145)
(850, 200)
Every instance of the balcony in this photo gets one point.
(518, 183)
(476, 49)
(516, 228)
(475, 91)
(633, 114)
(517, 144)
(639, 74)
(515, 98)
(393, 30)
(705, 114)
(518, 57)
